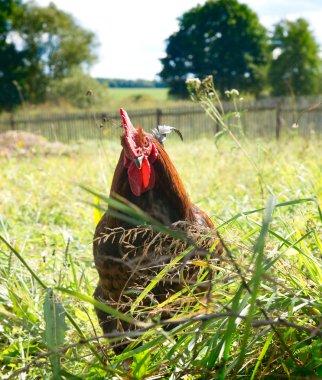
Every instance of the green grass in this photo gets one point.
(113, 99)
(272, 268)
(141, 98)
(159, 94)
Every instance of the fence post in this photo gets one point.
(12, 122)
(278, 121)
(159, 116)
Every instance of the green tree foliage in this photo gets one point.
(222, 38)
(296, 66)
(38, 45)
(131, 83)
(12, 66)
(56, 45)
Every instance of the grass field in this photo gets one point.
(143, 98)
(159, 94)
(113, 99)
(47, 227)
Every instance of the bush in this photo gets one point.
(79, 89)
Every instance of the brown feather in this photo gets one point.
(169, 203)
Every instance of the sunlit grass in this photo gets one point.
(155, 93)
(44, 217)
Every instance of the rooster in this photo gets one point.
(146, 177)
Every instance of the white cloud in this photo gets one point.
(132, 33)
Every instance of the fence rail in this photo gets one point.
(259, 119)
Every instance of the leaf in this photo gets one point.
(220, 134)
(54, 315)
(140, 364)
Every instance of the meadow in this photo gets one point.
(141, 98)
(118, 93)
(264, 316)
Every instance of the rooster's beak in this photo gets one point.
(138, 161)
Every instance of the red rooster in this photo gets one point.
(146, 177)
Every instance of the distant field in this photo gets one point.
(160, 94)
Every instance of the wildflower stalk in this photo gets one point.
(204, 93)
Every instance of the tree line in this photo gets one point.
(226, 39)
(46, 54)
(131, 83)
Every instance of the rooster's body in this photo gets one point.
(146, 177)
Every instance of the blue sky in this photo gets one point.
(132, 33)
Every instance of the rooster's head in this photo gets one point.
(139, 155)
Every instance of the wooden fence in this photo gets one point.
(268, 119)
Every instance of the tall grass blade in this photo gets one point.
(282, 204)
(259, 267)
(124, 210)
(262, 354)
(231, 326)
(156, 280)
(54, 316)
(35, 276)
(320, 211)
(107, 309)
(23, 261)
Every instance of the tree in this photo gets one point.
(295, 66)
(222, 38)
(12, 65)
(38, 45)
(55, 44)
